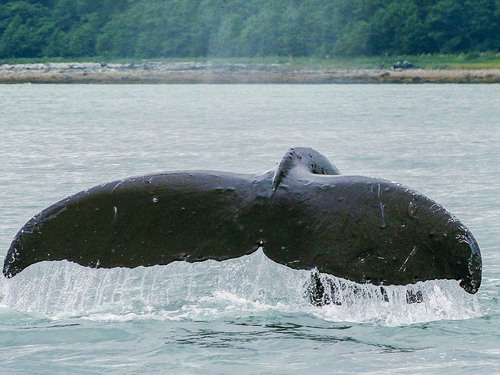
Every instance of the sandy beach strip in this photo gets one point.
(195, 72)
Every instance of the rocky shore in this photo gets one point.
(195, 72)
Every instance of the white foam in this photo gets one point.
(219, 290)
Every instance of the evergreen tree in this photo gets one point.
(194, 28)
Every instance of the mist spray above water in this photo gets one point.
(211, 290)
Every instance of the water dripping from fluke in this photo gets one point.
(337, 299)
(249, 286)
(326, 290)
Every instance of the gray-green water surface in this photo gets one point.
(246, 315)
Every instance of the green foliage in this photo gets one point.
(235, 28)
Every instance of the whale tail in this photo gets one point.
(141, 221)
(305, 215)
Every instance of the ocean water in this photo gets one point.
(245, 315)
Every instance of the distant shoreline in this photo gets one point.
(229, 73)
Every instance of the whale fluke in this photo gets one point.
(304, 214)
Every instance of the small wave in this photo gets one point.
(247, 286)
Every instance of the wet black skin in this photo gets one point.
(304, 214)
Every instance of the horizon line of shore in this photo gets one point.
(229, 73)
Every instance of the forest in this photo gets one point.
(249, 28)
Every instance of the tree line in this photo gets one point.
(234, 28)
